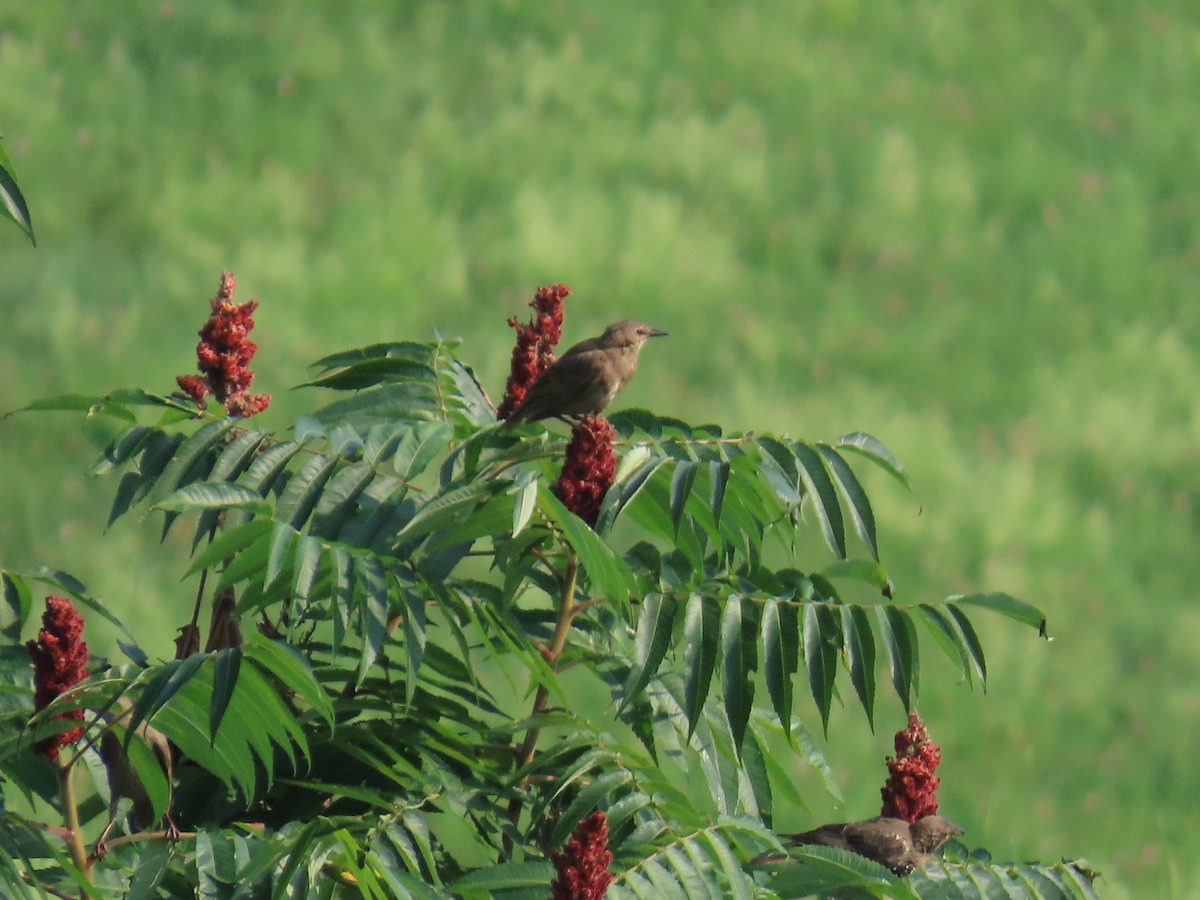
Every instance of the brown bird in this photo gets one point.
(588, 376)
(123, 779)
(890, 842)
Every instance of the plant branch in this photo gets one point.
(151, 836)
(54, 892)
(200, 588)
(73, 835)
(562, 627)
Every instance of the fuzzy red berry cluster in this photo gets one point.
(534, 351)
(60, 658)
(911, 789)
(588, 469)
(582, 865)
(224, 355)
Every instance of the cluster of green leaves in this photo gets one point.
(408, 562)
(957, 873)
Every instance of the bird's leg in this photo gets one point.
(172, 829)
(101, 848)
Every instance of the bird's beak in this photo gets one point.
(654, 332)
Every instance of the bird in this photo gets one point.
(123, 779)
(890, 842)
(588, 376)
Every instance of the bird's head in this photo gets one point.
(628, 334)
(930, 832)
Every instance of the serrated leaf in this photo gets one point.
(339, 499)
(415, 623)
(707, 886)
(309, 551)
(283, 536)
(609, 574)
(213, 495)
(134, 486)
(778, 467)
(738, 883)
(738, 662)
(167, 681)
(64, 403)
(665, 886)
(1006, 605)
(631, 462)
(873, 449)
(373, 371)
(701, 631)
(860, 649)
(820, 491)
(18, 602)
(303, 490)
(408, 401)
(626, 487)
(12, 201)
(506, 876)
(342, 593)
(754, 768)
(373, 606)
(969, 641)
(468, 394)
(526, 502)
(653, 516)
(268, 465)
(822, 641)
(863, 570)
(420, 445)
(414, 351)
(900, 638)
(947, 637)
(237, 455)
(781, 655)
(226, 665)
(682, 480)
(121, 449)
(718, 473)
(285, 663)
(655, 627)
(820, 871)
(444, 509)
(229, 543)
(856, 498)
(249, 564)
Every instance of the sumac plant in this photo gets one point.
(426, 654)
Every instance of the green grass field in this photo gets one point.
(972, 230)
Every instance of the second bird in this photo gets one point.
(890, 842)
(588, 376)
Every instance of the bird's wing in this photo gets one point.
(827, 835)
(880, 839)
(552, 393)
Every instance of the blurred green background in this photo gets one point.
(970, 229)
